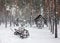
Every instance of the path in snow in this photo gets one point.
(36, 36)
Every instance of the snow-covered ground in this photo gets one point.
(36, 35)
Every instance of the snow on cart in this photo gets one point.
(23, 33)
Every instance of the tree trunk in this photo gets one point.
(55, 19)
(53, 27)
(5, 21)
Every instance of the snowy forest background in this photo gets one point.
(22, 9)
(32, 15)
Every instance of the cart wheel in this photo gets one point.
(22, 37)
(15, 33)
